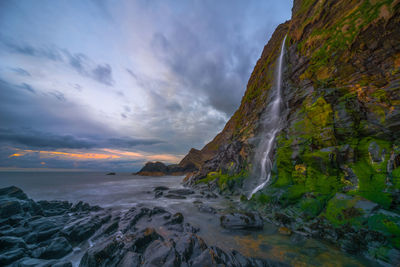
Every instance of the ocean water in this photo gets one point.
(123, 191)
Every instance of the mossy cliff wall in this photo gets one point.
(338, 157)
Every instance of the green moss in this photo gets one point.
(224, 181)
(396, 177)
(337, 37)
(340, 210)
(284, 165)
(387, 225)
(371, 184)
(372, 175)
(211, 176)
(312, 207)
(317, 125)
(263, 198)
(292, 194)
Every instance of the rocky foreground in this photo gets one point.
(52, 233)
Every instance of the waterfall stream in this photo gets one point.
(272, 124)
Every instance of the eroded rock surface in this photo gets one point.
(48, 233)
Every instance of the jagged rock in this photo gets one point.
(174, 196)
(206, 209)
(58, 248)
(161, 188)
(182, 192)
(13, 192)
(246, 220)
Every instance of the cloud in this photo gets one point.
(131, 73)
(154, 77)
(37, 139)
(50, 53)
(80, 62)
(58, 95)
(31, 138)
(27, 87)
(131, 142)
(21, 71)
(103, 74)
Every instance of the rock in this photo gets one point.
(237, 221)
(9, 208)
(160, 253)
(29, 262)
(119, 239)
(206, 209)
(204, 259)
(62, 264)
(176, 219)
(11, 242)
(11, 256)
(183, 192)
(173, 196)
(284, 231)
(158, 194)
(282, 218)
(144, 238)
(366, 206)
(58, 248)
(82, 230)
(130, 259)
(111, 173)
(52, 208)
(13, 192)
(84, 207)
(375, 152)
(108, 253)
(161, 188)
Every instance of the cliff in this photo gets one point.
(190, 163)
(336, 164)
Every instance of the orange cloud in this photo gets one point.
(78, 155)
(164, 157)
(124, 153)
(108, 154)
(48, 154)
(16, 155)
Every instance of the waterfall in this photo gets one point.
(271, 126)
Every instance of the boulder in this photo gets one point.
(58, 248)
(240, 221)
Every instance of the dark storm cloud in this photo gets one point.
(188, 63)
(21, 71)
(213, 51)
(221, 75)
(35, 139)
(103, 74)
(21, 112)
(130, 142)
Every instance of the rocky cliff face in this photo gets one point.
(337, 160)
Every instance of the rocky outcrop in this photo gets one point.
(47, 233)
(341, 89)
(190, 163)
(160, 169)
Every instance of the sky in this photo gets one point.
(110, 85)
